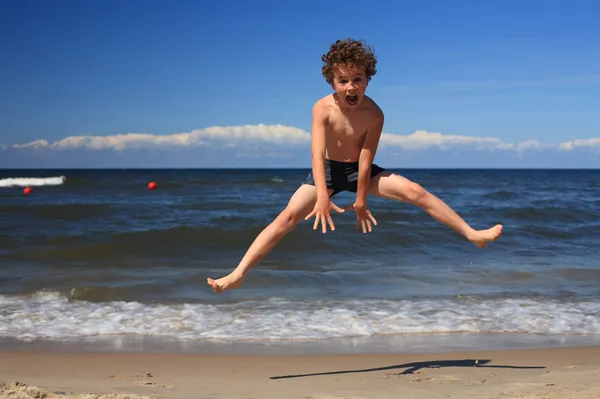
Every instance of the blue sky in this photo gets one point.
(231, 83)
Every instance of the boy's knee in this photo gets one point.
(287, 219)
(414, 192)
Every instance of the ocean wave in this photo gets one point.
(50, 315)
(32, 181)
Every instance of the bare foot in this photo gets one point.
(232, 281)
(482, 237)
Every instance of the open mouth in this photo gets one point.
(352, 100)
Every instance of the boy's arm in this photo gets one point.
(367, 154)
(318, 150)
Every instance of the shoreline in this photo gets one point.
(420, 343)
(569, 372)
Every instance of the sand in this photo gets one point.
(556, 373)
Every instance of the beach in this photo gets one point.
(103, 289)
(167, 232)
(551, 373)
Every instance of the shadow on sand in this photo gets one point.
(412, 367)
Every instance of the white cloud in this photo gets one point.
(422, 139)
(532, 145)
(570, 145)
(252, 137)
(226, 136)
(33, 144)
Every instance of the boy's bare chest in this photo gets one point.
(345, 128)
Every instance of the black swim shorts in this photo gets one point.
(342, 176)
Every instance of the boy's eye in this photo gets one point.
(357, 79)
(343, 81)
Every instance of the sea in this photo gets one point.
(96, 258)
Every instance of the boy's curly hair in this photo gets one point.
(349, 53)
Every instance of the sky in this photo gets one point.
(470, 84)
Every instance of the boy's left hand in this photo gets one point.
(363, 216)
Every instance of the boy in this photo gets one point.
(346, 128)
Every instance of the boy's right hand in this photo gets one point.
(322, 214)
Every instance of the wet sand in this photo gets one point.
(554, 373)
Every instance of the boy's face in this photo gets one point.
(350, 84)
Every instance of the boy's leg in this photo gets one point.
(299, 206)
(392, 186)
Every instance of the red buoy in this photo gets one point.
(27, 190)
(152, 185)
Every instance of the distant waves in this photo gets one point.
(32, 181)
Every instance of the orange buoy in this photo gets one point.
(152, 185)
(27, 190)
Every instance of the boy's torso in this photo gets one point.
(345, 132)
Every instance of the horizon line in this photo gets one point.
(296, 168)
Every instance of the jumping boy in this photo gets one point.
(346, 128)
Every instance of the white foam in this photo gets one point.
(32, 181)
(48, 315)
